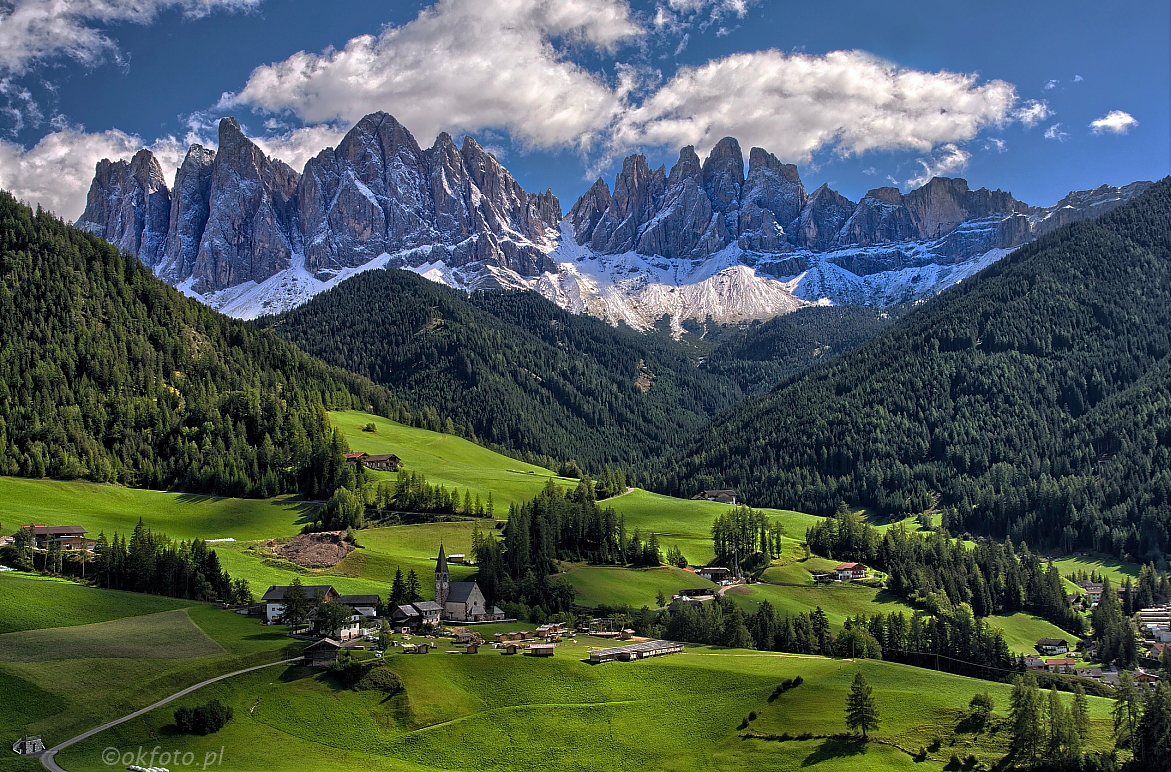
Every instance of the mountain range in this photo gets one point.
(249, 235)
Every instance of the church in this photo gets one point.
(461, 601)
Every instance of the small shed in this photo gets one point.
(29, 746)
(509, 648)
(322, 653)
(472, 648)
(416, 648)
(626, 634)
(542, 649)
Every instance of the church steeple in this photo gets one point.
(442, 578)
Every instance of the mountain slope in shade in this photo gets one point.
(1030, 401)
(248, 235)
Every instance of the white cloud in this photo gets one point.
(57, 171)
(997, 144)
(1032, 112)
(1055, 132)
(462, 66)
(1114, 122)
(1052, 84)
(34, 31)
(950, 158)
(1078, 78)
(298, 146)
(796, 104)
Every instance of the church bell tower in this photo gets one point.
(442, 578)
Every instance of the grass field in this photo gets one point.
(1022, 631)
(105, 653)
(596, 585)
(447, 459)
(675, 712)
(688, 523)
(837, 600)
(1111, 567)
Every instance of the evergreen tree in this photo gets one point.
(1079, 712)
(398, 589)
(1153, 747)
(1025, 716)
(1127, 710)
(297, 605)
(861, 710)
(414, 590)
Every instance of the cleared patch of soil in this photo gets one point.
(314, 550)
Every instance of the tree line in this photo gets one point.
(1032, 401)
(933, 569)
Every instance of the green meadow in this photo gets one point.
(447, 460)
(493, 712)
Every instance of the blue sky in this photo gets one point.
(857, 94)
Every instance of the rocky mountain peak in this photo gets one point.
(687, 167)
(129, 205)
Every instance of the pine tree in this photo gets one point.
(414, 591)
(1025, 716)
(398, 589)
(1079, 712)
(1127, 709)
(861, 710)
(1153, 748)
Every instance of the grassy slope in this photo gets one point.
(447, 459)
(563, 714)
(596, 585)
(62, 681)
(1022, 631)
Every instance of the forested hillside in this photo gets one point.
(758, 357)
(108, 374)
(1030, 401)
(515, 368)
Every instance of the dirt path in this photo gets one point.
(50, 763)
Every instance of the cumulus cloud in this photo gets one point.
(1032, 112)
(950, 158)
(1052, 84)
(33, 31)
(296, 147)
(57, 171)
(1114, 122)
(462, 65)
(1055, 132)
(795, 104)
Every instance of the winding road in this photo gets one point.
(48, 760)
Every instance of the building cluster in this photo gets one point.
(66, 537)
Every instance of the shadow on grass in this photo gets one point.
(196, 498)
(835, 747)
(298, 673)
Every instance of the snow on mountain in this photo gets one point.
(249, 236)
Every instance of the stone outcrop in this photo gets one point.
(129, 205)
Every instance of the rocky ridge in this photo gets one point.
(249, 235)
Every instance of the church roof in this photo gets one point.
(441, 564)
(461, 591)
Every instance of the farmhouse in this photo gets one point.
(1143, 678)
(68, 537)
(461, 601)
(1035, 663)
(366, 605)
(405, 616)
(714, 574)
(387, 462)
(1093, 591)
(274, 607)
(848, 572)
(635, 651)
(1060, 665)
(322, 653)
(1051, 646)
(353, 458)
(722, 496)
